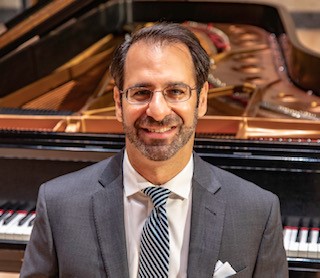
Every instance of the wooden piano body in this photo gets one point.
(267, 131)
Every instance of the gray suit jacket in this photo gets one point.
(79, 230)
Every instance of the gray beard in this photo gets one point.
(159, 150)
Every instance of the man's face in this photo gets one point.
(159, 129)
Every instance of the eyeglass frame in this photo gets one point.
(125, 93)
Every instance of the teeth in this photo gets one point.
(161, 130)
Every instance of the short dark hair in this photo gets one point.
(163, 33)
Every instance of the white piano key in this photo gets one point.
(313, 247)
(303, 244)
(287, 231)
(2, 226)
(293, 244)
(26, 232)
(15, 223)
(23, 232)
(6, 229)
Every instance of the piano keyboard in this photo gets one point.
(16, 221)
(302, 237)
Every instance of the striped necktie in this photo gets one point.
(154, 245)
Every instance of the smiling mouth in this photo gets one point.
(159, 130)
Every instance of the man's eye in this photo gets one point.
(141, 94)
(175, 92)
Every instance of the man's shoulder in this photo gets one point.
(232, 185)
(85, 179)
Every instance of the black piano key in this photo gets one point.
(31, 222)
(309, 236)
(19, 206)
(4, 214)
(31, 209)
(25, 219)
(10, 211)
(303, 225)
(5, 207)
(10, 218)
(314, 223)
(298, 238)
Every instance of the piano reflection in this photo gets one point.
(57, 110)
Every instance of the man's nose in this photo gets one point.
(158, 107)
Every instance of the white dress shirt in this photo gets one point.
(138, 206)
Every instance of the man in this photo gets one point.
(90, 223)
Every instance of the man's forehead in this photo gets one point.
(153, 52)
(155, 44)
(158, 58)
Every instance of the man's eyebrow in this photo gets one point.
(175, 83)
(149, 85)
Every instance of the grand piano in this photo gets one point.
(57, 112)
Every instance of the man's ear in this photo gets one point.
(118, 103)
(203, 98)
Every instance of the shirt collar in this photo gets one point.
(179, 185)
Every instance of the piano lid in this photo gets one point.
(40, 19)
(254, 93)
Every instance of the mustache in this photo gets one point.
(169, 120)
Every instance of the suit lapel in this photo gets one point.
(207, 219)
(107, 205)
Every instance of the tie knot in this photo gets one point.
(158, 195)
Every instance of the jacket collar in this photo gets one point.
(207, 219)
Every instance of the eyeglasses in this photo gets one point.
(173, 94)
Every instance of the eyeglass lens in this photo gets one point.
(175, 93)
